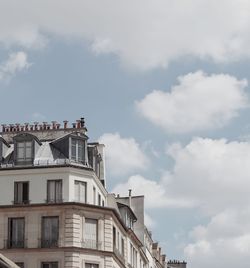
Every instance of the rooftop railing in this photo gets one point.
(38, 163)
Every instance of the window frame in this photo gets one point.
(51, 242)
(50, 263)
(79, 150)
(55, 199)
(89, 242)
(12, 241)
(16, 199)
(26, 158)
(85, 184)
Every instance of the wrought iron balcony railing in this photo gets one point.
(21, 202)
(119, 254)
(49, 243)
(91, 244)
(13, 243)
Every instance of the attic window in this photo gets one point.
(24, 151)
(77, 150)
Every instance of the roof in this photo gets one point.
(6, 263)
(128, 207)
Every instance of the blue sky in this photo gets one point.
(166, 89)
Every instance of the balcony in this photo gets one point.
(119, 255)
(21, 202)
(49, 243)
(91, 244)
(54, 200)
(12, 243)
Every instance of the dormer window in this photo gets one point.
(77, 150)
(24, 151)
(25, 148)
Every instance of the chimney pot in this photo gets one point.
(65, 124)
(53, 124)
(82, 122)
(78, 123)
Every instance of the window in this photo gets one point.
(49, 265)
(134, 258)
(80, 191)
(15, 233)
(91, 265)
(50, 232)
(77, 150)
(90, 233)
(24, 151)
(99, 199)
(114, 237)
(94, 196)
(21, 193)
(54, 191)
(103, 203)
(123, 248)
(20, 264)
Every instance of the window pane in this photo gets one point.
(20, 150)
(50, 231)
(73, 149)
(90, 233)
(58, 191)
(83, 192)
(91, 265)
(51, 191)
(16, 232)
(80, 191)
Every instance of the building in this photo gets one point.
(55, 210)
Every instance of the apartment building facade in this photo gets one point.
(54, 208)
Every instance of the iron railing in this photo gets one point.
(13, 243)
(91, 244)
(49, 243)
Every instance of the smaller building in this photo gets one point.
(176, 264)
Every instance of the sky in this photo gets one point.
(164, 84)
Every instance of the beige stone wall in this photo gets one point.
(71, 252)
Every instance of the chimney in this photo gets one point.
(11, 127)
(78, 123)
(53, 124)
(45, 125)
(65, 124)
(35, 125)
(82, 122)
(3, 127)
(17, 127)
(129, 197)
(26, 126)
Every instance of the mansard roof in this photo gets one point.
(4, 141)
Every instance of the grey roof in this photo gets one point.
(6, 263)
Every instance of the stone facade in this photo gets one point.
(55, 210)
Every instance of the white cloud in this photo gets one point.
(198, 102)
(213, 174)
(15, 63)
(123, 155)
(143, 33)
(149, 221)
(154, 192)
(224, 242)
(213, 177)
